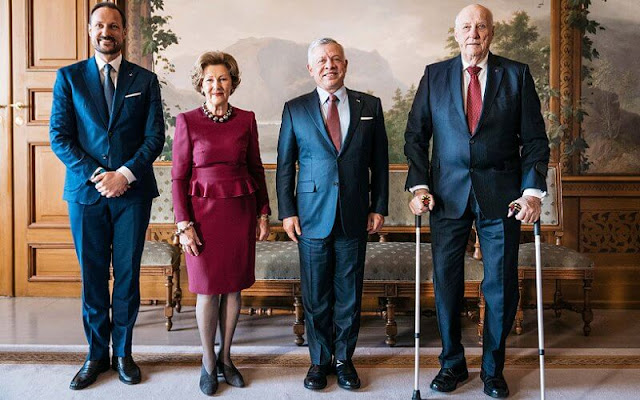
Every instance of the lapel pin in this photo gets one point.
(130, 73)
(358, 100)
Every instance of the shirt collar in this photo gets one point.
(482, 64)
(114, 63)
(341, 94)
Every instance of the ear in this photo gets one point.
(310, 69)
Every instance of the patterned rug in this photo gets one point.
(302, 360)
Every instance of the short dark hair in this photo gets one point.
(112, 6)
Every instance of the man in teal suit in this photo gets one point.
(107, 128)
(481, 115)
(336, 137)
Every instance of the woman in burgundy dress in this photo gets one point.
(221, 206)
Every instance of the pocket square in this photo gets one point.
(365, 118)
(133, 94)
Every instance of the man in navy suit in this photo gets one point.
(107, 128)
(337, 138)
(481, 115)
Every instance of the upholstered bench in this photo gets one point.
(389, 272)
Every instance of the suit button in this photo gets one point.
(104, 157)
(110, 134)
(470, 169)
(335, 184)
(470, 141)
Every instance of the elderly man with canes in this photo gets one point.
(481, 115)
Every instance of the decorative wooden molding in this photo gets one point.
(601, 186)
(566, 82)
(610, 232)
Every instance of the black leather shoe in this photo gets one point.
(231, 374)
(448, 378)
(89, 373)
(316, 378)
(208, 381)
(494, 386)
(347, 375)
(128, 371)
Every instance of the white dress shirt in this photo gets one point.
(482, 77)
(343, 108)
(115, 64)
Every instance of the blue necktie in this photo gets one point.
(109, 88)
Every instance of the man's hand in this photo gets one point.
(111, 184)
(262, 229)
(291, 225)
(374, 222)
(531, 209)
(417, 204)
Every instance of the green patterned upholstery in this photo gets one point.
(159, 254)
(552, 256)
(277, 260)
(162, 207)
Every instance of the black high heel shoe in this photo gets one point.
(230, 373)
(208, 381)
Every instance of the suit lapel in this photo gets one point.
(312, 105)
(126, 76)
(455, 86)
(92, 79)
(494, 77)
(355, 110)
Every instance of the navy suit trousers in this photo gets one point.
(499, 241)
(332, 273)
(109, 232)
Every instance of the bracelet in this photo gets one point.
(180, 231)
(264, 216)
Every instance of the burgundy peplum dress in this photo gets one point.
(219, 184)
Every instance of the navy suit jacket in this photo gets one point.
(84, 138)
(508, 152)
(356, 179)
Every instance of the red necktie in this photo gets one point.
(474, 99)
(333, 121)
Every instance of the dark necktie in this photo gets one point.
(333, 122)
(474, 99)
(109, 88)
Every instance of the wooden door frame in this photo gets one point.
(6, 154)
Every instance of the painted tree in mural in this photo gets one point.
(156, 39)
(516, 39)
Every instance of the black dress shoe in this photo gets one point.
(448, 378)
(128, 371)
(208, 381)
(347, 375)
(495, 386)
(231, 374)
(316, 378)
(89, 373)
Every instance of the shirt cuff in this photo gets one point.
(127, 174)
(416, 187)
(535, 193)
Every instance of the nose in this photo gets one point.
(474, 32)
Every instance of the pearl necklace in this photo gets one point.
(215, 118)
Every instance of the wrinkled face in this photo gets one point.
(106, 31)
(328, 67)
(216, 85)
(474, 32)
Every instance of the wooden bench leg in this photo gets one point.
(177, 295)
(481, 305)
(391, 327)
(557, 299)
(587, 314)
(519, 312)
(168, 308)
(298, 325)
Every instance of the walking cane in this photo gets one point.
(536, 233)
(416, 380)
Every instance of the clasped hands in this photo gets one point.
(110, 184)
(530, 212)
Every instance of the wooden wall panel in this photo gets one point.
(53, 263)
(41, 101)
(47, 177)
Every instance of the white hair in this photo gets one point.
(489, 14)
(321, 42)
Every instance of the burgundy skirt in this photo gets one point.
(227, 229)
